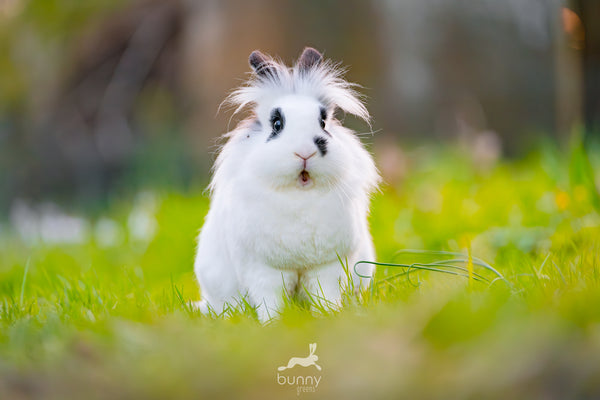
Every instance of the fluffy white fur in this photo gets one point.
(269, 233)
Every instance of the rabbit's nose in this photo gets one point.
(305, 157)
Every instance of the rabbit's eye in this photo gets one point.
(276, 122)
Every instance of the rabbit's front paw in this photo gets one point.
(201, 306)
(266, 314)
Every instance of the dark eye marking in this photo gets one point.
(322, 117)
(321, 143)
(277, 122)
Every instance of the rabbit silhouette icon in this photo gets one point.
(311, 359)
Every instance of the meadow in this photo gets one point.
(498, 297)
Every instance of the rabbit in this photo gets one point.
(311, 359)
(290, 192)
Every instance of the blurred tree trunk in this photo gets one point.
(589, 12)
(91, 133)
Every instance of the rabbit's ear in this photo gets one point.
(309, 58)
(312, 347)
(261, 63)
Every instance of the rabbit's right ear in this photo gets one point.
(312, 347)
(309, 58)
(261, 63)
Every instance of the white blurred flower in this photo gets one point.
(141, 222)
(47, 223)
(57, 227)
(108, 233)
(25, 221)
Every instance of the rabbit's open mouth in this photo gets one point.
(304, 178)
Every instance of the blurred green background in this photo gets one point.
(108, 96)
(486, 119)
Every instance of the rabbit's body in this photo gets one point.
(286, 202)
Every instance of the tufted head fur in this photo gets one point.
(311, 76)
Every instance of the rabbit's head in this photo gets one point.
(292, 140)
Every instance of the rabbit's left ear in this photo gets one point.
(309, 58)
(313, 347)
(261, 63)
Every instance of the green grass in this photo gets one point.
(108, 317)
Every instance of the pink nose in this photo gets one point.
(305, 157)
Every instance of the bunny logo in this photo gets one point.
(301, 383)
(311, 359)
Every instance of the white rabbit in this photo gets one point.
(290, 191)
